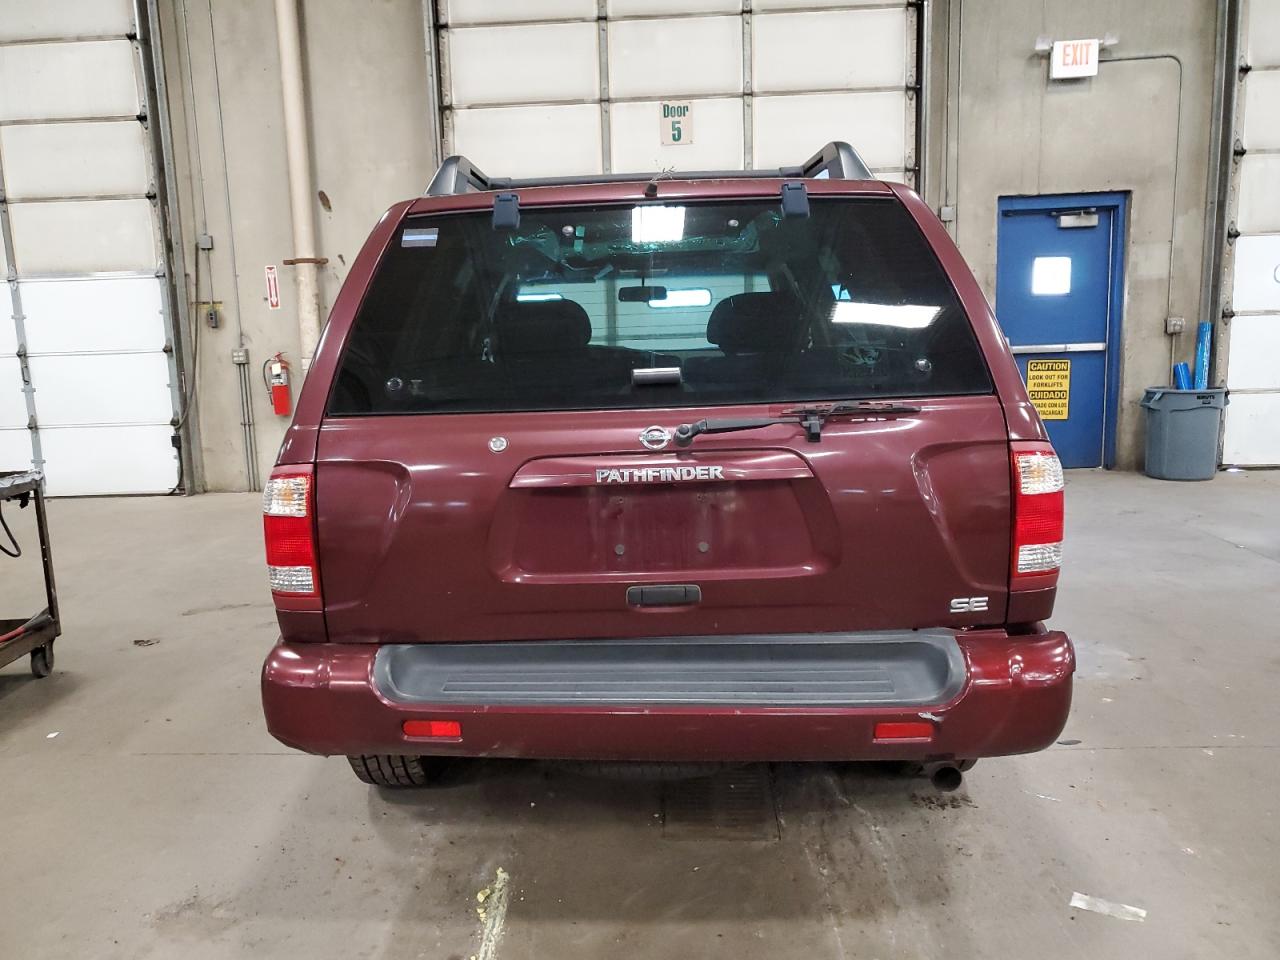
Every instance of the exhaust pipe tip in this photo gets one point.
(946, 777)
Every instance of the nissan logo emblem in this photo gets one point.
(655, 438)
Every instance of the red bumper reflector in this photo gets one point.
(437, 729)
(907, 730)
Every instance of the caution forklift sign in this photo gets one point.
(1049, 387)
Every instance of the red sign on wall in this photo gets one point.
(273, 288)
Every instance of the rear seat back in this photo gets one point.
(539, 348)
(754, 332)
(541, 327)
(754, 322)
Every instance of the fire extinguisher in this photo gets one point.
(276, 374)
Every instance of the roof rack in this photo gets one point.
(836, 160)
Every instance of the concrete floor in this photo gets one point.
(162, 821)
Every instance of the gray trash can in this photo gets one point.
(1182, 432)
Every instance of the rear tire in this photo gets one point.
(394, 770)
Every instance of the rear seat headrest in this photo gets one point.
(542, 326)
(754, 322)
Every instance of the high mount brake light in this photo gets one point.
(1037, 515)
(288, 522)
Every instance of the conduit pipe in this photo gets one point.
(306, 264)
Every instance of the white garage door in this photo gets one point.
(1252, 435)
(553, 87)
(86, 383)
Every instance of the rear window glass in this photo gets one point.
(736, 304)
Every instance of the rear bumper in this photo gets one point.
(1012, 696)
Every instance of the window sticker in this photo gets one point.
(419, 236)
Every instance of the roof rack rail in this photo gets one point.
(836, 160)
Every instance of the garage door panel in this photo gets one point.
(88, 461)
(1261, 118)
(660, 8)
(58, 80)
(1264, 34)
(8, 332)
(101, 388)
(523, 64)
(90, 236)
(675, 58)
(1255, 345)
(875, 123)
(459, 12)
(1250, 437)
(637, 142)
(93, 306)
(848, 84)
(551, 140)
(93, 315)
(1256, 274)
(13, 402)
(892, 176)
(66, 18)
(15, 449)
(759, 5)
(1259, 208)
(843, 50)
(74, 159)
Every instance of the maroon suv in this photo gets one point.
(731, 466)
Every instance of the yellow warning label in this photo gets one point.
(1049, 386)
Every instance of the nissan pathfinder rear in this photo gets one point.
(728, 466)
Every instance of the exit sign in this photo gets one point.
(1073, 58)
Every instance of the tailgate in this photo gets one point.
(427, 534)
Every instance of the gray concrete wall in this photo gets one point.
(1014, 132)
(366, 88)
(997, 128)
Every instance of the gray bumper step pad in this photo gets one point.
(909, 669)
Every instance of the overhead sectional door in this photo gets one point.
(1252, 434)
(86, 383)
(554, 87)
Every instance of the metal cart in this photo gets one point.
(34, 635)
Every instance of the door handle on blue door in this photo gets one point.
(1058, 347)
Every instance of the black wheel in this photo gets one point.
(393, 770)
(42, 660)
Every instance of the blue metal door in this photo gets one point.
(1058, 295)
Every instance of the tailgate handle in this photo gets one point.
(666, 595)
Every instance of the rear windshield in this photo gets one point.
(657, 305)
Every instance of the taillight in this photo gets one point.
(1037, 515)
(288, 522)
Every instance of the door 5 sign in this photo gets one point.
(677, 122)
(1049, 387)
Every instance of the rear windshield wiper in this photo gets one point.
(811, 418)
